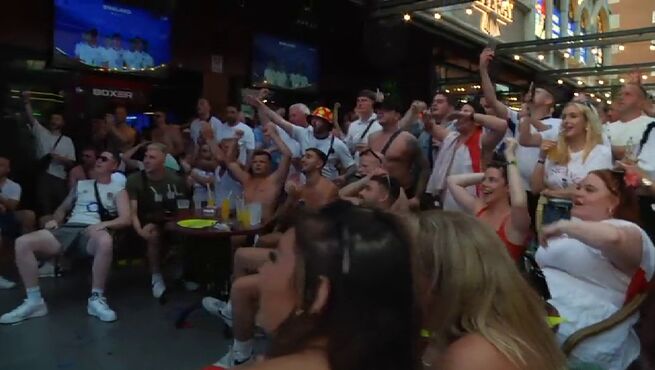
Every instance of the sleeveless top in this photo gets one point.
(515, 250)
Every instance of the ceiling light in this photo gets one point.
(540, 57)
(407, 17)
(600, 82)
(621, 47)
(580, 82)
(447, 91)
(592, 95)
(437, 16)
(652, 47)
(576, 94)
(644, 77)
(469, 11)
(516, 57)
(598, 100)
(609, 102)
(607, 95)
(560, 82)
(567, 55)
(594, 51)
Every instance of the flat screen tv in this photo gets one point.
(284, 64)
(110, 35)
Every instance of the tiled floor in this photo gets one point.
(144, 337)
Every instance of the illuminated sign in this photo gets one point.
(540, 19)
(122, 94)
(556, 23)
(494, 14)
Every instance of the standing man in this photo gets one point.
(97, 206)
(167, 134)
(84, 170)
(359, 130)
(204, 109)
(152, 192)
(626, 133)
(56, 153)
(122, 136)
(317, 135)
(235, 129)
(403, 159)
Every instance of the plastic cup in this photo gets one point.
(183, 204)
(255, 213)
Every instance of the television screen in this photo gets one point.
(284, 64)
(104, 34)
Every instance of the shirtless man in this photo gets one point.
(169, 135)
(317, 192)
(403, 159)
(260, 185)
(121, 135)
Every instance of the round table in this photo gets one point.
(210, 248)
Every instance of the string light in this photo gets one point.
(516, 57)
(598, 100)
(437, 16)
(607, 95)
(407, 17)
(447, 91)
(580, 82)
(609, 102)
(592, 95)
(469, 11)
(560, 82)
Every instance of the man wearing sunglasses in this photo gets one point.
(96, 207)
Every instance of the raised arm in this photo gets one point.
(268, 112)
(622, 245)
(520, 215)
(410, 116)
(526, 137)
(457, 185)
(232, 163)
(488, 88)
(28, 108)
(283, 169)
(128, 154)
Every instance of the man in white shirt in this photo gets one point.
(96, 206)
(203, 109)
(317, 135)
(56, 153)
(626, 133)
(358, 132)
(234, 129)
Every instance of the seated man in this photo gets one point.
(12, 222)
(152, 192)
(316, 193)
(260, 183)
(97, 206)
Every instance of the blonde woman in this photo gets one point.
(566, 160)
(480, 311)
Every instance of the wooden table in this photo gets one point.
(210, 248)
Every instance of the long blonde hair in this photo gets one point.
(475, 288)
(594, 136)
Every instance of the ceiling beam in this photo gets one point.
(580, 41)
(600, 71)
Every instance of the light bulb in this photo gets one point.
(516, 57)
(567, 55)
(437, 16)
(600, 82)
(407, 17)
(644, 77)
(580, 82)
(621, 47)
(560, 82)
(540, 57)
(469, 11)
(622, 80)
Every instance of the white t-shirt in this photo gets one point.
(340, 152)
(357, 128)
(197, 124)
(527, 157)
(622, 132)
(562, 176)
(10, 190)
(646, 158)
(587, 288)
(85, 210)
(45, 140)
(247, 142)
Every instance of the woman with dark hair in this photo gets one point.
(592, 264)
(502, 203)
(339, 295)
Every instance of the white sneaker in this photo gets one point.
(191, 286)
(25, 311)
(230, 359)
(158, 288)
(218, 308)
(97, 306)
(6, 284)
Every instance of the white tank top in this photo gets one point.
(85, 210)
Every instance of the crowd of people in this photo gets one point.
(397, 240)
